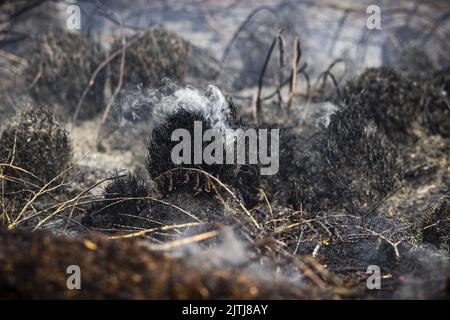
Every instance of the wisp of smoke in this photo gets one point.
(156, 105)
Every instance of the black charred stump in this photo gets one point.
(60, 70)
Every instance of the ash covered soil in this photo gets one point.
(87, 179)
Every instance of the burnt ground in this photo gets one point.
(32, 265)
(364, 180)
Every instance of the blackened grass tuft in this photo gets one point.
(38, 143)
(60, 70)
(124, 205)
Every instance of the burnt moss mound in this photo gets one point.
(152, 56)
(37, 143)
(60, 70)
(388, 98)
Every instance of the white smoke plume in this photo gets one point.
(156, 105)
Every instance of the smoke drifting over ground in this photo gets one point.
(156, 105)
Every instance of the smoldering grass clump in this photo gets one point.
(124, 205)
(388, 98)
(160, 147)
(350, 165)
(366, 165)
(156, 54)
(38, 143)
(60, 70)
(181, 110)
(302, 181)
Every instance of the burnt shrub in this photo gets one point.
(37, 143)
(124, 205)
(150, 57)
(60, 70)
(388, 98)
